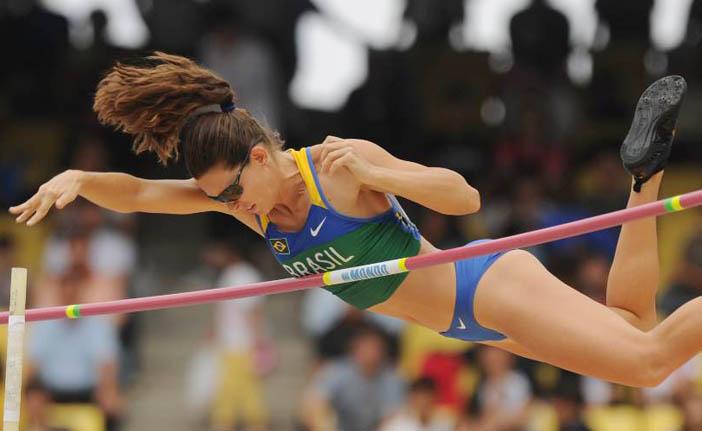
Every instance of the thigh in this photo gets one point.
(547, 320)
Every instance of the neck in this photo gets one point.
(292, 186)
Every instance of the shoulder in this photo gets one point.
(363, 146)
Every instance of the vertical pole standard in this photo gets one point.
(15, 350)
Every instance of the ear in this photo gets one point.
(260, 155)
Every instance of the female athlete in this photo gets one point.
(332, 206)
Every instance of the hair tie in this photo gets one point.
(227, 107)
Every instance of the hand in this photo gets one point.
(338, 153)
(60, 190)
(109, 401)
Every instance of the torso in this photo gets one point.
(426, 296)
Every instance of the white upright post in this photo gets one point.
(15, 350)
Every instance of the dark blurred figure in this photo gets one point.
(687, 57)
(440, 230)
(687, 279)
(87, 68)
(7, 261)
(692, 412)
(243, 349)
(503, 396)
(686, 60)
(540, 39)
(434, 20)
(361, 390)
(420, 413)
(605, 186)
(414, 101)
(568, 404)
(37, 56)
(37, 402)
(450, 86)
(76, 361)
(627, 21)
(334, 341)
(175, 25)
(619, 72)
(591, 276)
(231, 49)
(541, 105)
(528, 151)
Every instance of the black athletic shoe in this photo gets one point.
(646, 148)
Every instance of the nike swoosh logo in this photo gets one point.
(315, 232)
(461, 325)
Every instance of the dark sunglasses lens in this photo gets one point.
(231, 193)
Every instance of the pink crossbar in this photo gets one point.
(566, 230)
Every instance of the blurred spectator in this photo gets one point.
(175, 25)
(686, 282)
(503, 396)
(692, 412)
(591, 275)
(332, 323)
(243, 60)
(568, 404)
(239, 336)
(37, 403)
(433, 20)
(7, 261)
(540, 39)
(76, 361)
(39, 59)
(440, 230)
(447, 369)
(420, 413)
(111, 253)
(619, 70)
(94, 286)
(357, 392)
(528, 152)
(627, 21)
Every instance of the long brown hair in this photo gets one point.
(154, 101)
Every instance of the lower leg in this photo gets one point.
(633, 279)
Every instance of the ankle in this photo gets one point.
(652, 183)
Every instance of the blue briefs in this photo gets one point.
(468, 274)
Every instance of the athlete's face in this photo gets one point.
(247, 187)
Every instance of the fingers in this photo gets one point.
(331, 143)
(25, 215)
(332, 156)
(41, 212)
(340, 162)
(39, 205)
(329, 139)
(26, 209)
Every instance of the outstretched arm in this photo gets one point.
(122, 193)
(439, 189)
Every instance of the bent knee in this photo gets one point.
(651, 366)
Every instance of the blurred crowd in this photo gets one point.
(539, 144)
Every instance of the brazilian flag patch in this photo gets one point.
(280, 245)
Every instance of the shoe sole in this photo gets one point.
(660, 103)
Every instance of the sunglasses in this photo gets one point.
(233, 190)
